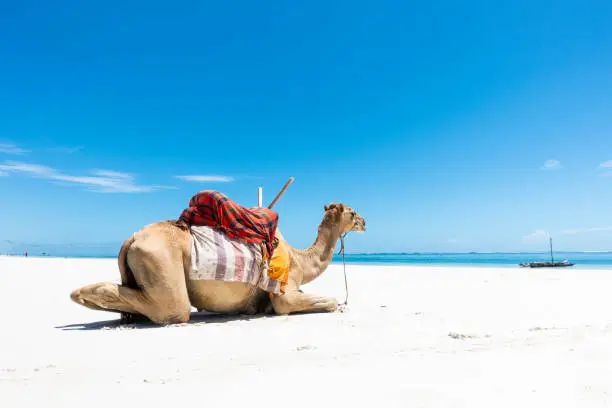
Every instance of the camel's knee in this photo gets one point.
(167, 309)
(281, 305)
(176, 317)
(182, 317)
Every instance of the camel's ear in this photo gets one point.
(337, 208)
(332, 206)
(325, 207)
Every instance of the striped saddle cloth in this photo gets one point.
(215, 256)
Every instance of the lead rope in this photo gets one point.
(344, 268)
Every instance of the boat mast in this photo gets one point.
(551, 252)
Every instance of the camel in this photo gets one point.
(154, 265)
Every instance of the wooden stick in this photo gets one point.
(287, 184)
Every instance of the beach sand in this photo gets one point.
(410, 337)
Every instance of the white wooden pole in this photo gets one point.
(259, 197)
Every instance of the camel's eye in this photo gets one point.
(353, 214)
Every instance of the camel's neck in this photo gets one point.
(316, 259)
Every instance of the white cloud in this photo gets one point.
(606, 164)
(3, 174)
(10, 148)
(206, 178)
(537, 236)
(551, 165)
(607, 168)
(33, 169)
(586, 230)
(102, 181)
(113, 174)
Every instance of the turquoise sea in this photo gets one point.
(583, 260)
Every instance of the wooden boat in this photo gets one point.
(551, 264)
(546, 264)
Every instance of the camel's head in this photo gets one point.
(348, 218)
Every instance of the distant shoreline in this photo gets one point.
(361, 254)
(506, 260)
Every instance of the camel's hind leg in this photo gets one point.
(109, 297)
(116, 298)
(127, 277)
(156, 261)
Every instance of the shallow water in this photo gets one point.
(584, 260)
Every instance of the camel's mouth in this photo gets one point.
(359, 225)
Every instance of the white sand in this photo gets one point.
(519, 338)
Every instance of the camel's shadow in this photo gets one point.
(141, 322)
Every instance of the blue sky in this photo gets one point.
(450, 126)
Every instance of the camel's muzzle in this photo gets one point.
(359, 225)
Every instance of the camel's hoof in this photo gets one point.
(328, 306)
(76, 296)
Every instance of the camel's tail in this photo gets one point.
(127, 277)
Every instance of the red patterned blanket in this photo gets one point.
(214, 209)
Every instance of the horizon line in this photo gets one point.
(62, 253)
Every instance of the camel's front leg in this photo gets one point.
(296, 301)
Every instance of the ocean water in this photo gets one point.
(583, 260)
